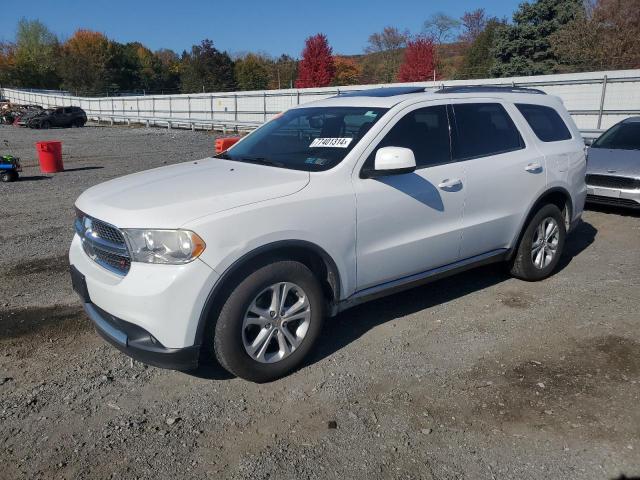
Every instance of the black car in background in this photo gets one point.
(58, 117)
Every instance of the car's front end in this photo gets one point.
(141, 271)
(144, 290)
(613, 166)
(609, 189)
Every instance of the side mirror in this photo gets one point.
(392, 161)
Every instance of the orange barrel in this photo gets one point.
(223, 144)
(50, 156)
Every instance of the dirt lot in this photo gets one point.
(477, 376)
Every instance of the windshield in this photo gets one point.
(623, 136)
(311, 139)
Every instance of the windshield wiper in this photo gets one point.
(261, 161)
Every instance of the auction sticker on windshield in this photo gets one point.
(331, 142)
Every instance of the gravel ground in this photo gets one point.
(476, 376)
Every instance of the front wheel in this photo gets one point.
(541, 245)
(269, 322)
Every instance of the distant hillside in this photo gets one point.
(381, 67)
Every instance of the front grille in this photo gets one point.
(103, 243)
(619, 202)
(107, 232)
(611, 181)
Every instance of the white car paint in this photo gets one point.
(374, 230)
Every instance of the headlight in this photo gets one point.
(172, 247)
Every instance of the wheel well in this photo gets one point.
(558, 197)
(313, 257)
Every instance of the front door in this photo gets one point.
(410, 223)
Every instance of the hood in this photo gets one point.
(619, 163)
(169, 197)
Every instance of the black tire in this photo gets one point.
(522, 264)
(8, 176)
(45, 125)
(78, 123)
(228, 329)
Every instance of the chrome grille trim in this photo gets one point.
(103, 243)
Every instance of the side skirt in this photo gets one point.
(406, 283)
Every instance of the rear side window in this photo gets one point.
(545, 122)
(425, 131)
(483, 129)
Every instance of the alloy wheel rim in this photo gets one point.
(545, 243)
(276, 322)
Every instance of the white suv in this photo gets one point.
(240, 257)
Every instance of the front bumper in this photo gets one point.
(152, 313)
(613, 196)
(140, 344)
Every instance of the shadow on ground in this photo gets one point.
(353, 323)
(33, 178)
(80, 169)
(613, 210)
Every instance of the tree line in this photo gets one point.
(543, 37)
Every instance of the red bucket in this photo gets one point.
(50, 156)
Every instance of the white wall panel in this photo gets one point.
(580, 92)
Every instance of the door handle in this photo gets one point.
(533, 168)
(450, 183)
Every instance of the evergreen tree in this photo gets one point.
(523, 48)
(478, 59)
(207, 69)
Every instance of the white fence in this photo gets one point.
(596, 100)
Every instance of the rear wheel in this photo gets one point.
(9, 176)
(541, 245)
(269, 322)
(78, 123)
(45, 124)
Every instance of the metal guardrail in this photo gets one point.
(247, 110)
(173, 122)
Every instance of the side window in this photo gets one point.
(483, 129)
(425, 131)
(545, 122)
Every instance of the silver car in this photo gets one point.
(613, 166)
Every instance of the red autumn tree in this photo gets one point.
(419, 61)
(316, 69)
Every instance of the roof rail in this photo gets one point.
(382, 92)
(488, 89)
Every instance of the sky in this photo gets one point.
(273, 27)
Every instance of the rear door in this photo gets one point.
(564, 151)
(58, 117)
(504, 172)
(410, 223)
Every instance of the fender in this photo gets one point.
(533, 208)
(333, 275)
